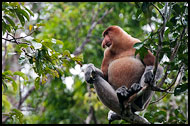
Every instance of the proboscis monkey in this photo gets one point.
(121, 71)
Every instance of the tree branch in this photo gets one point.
(91, 114)
(25, 97)
(160, 35)
(173, 55)
(17, 42)
(21, 102)
(4, 56)
(180, 73)
(81, 48)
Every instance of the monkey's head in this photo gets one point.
(115, 37)
(110, 35)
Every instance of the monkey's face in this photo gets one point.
(112, 36)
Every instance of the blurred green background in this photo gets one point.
(43, 81)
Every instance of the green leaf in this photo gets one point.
(66, 53)
(144, 7)
(54, 73)
(13, 83)
(3, 26)
(19, 46)
(29, 11)
(4, 86)
(65, 63)
(160, 5)
(18, 114)
(8, 72)
(78, 58)
(24, 13)
(138, 45)
(8, 28)
(181, 89)
(9, 20)
(31, 60)
(20, 17)
(138, 13)
(59, 42)
(142, 52)
(177, 8)
(21, 60)
(37, 83)
(38, 25)
(48, 45)
(44, 79)
(21, 74)
(6, 103)
(176, 112)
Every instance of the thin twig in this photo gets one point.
(5, 53)
(158, 11)
(13, 38)
(173, 55)
(17, 42)
(160, 35)
(79, 49)
(25, 97)
(169, 88)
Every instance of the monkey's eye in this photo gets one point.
(105, 33)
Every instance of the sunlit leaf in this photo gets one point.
(138, 45)
(6, 103)
(18, 114)
(30, 27)
(13, 83)
(55, 73)
(44, 79)
(37, 83)
(24, 13)
(8, 72)
(66, 53)
(20, 17)
(38, 25)
(21, 74)
(29, 11)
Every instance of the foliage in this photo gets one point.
(52, 34)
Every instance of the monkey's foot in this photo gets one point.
(113, 116)
(136, 87)
(122, 94)
(90, 73)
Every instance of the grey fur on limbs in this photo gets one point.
(105, 92)
(109, 98)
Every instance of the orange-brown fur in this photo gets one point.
(119, 64)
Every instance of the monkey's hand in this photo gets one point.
(90, 73)
(122, 94)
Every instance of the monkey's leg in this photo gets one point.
(105, 92)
